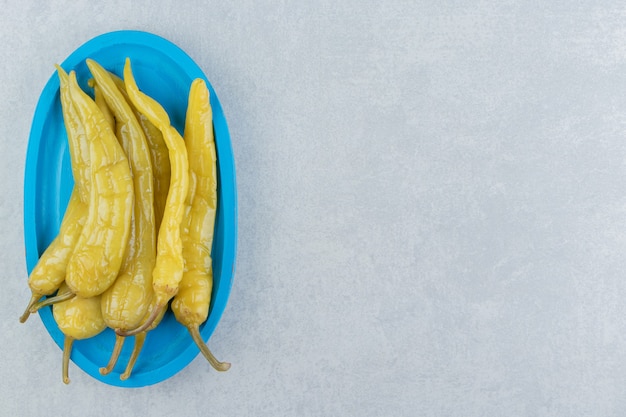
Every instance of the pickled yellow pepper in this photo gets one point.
(169, 264)
(99, 252)
(49, 272)
(102, 104)
(191, 304)
(161, 167)
(125, 303)
(161, 173)
(78, 318)
(159, 154)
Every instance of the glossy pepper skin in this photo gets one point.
(78, 318)
(49, 272)
(168, 270)
(102, 104)
(161, 175)
(125, 303)
(99, 252)
(159, 155)
(161, 167)
(191, 304)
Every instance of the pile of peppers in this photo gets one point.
(137, 233)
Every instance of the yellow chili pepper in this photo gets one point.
(102, 104)
(160, 156)
(169, 264)
(77, 139)
(78, 318)
(161, 174)
(161, 167)
(125, 303)
(191, 304)
(100, 250)
(49, 272)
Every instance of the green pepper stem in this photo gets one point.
(52, 300)
(139, 339)
(217, 365)
(33, 299)
(67, 351)
(117, 348)
(153, 315)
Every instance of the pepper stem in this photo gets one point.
(153, 315)
(117, 348)
(67, 351)
(52, 300)
(217, 365)
(33, 299)
(139, 339)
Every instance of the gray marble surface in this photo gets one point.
(432, 207)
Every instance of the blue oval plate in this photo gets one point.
(164, 72)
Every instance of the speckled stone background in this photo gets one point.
(432, 207)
